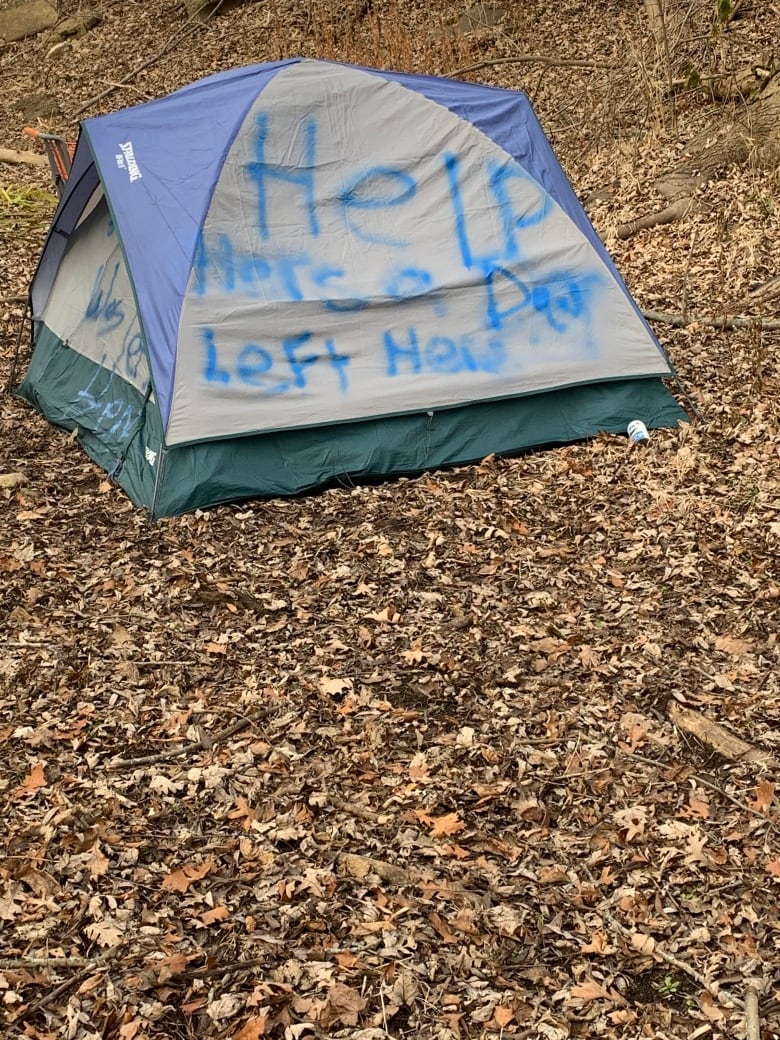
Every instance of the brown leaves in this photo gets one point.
(33, 782)
(465, 756)
(179, 880)
(106, 933)
(342, 1006)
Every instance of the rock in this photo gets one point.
(78, 25)
(37, 106)
(20, 18)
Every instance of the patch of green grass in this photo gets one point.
(25, 210)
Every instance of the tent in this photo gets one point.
(294, 273)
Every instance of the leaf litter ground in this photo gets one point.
(398, 760)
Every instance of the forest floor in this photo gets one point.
(408, 760)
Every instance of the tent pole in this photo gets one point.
(15, 360)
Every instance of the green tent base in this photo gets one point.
(126, 439)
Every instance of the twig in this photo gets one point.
(224, 969)
(658, 951)
(669, 958)
(87, 969)
(191, 25)
(205, 742)
(31, 644)
(148, 662)
(711, 785)
(13, 299)
(752, 1020)
(726, 322)
(45, 962)
(533, 59)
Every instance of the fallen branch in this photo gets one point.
(752, 1019)
(87, 968)
(766, 293)
(717, 737)
(712, 786)
(726, 322)
(665, 216)
(533, 59)
(10, 963)
(193, 23)
(15, 158)
(719, 992)
(205, 742)
(716, 991)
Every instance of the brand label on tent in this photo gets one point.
(366, 252)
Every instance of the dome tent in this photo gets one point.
(295, 272)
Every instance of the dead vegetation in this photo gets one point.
(490, 753)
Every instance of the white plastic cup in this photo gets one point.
(637, 433)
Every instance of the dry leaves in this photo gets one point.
(457, 803)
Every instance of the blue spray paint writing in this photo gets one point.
(220, 267)
(488, 253)
(255, 365)
(562, 300)
(378, 188)
(103, 306)
(441, 354)
(113, 418)
(106, 309)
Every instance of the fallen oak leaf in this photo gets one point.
(765, 793)
(215, 916)
(587, 991)
(444, 826)
(215, 648)
(329, 685)
(644, 944)
(98, 863)
(598, 944)
(105, 932)
(181, 879)
(503, 1016)
(253, 1028)
(731, 645)
(32, 783)
(343, 1005)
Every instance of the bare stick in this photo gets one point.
(699, 779)
(198, 745)
(752, 1020)
(191, 25)
(727, 322)
(46, 962)
(10, 155)
(533, 59)
(669, 958)
(87, 969)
